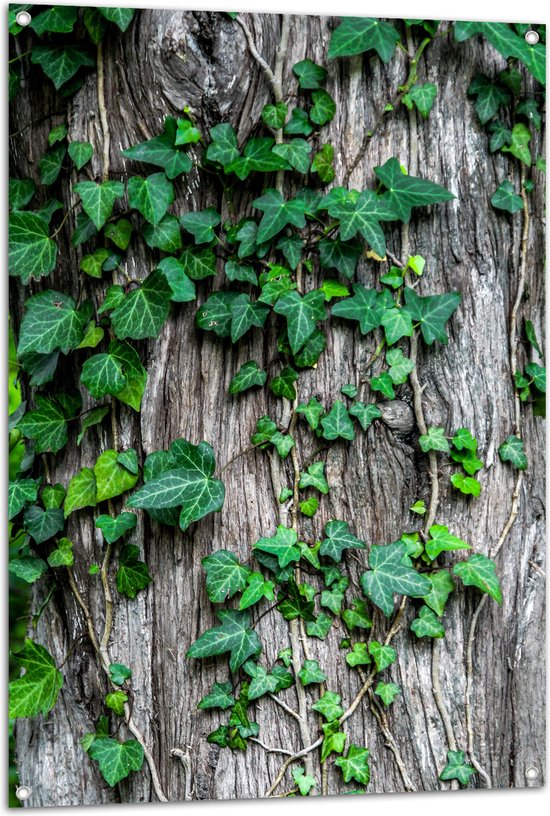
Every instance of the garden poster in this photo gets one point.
(276, 405)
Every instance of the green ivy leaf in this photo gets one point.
(384, 384)
(121, 17)
(151, 196)
(278, 213)
(198, 263)
(490, 97)
(52, 323)
(43, 524)
(434, 440)
(457, 768)
(360, 215)
(504, 198)
(405, 192)
(390, 573)
(234, 636)
(355, 765)
(302, 314)
(427, 624)
(340, 255)
(53, 496)
(479, 571)
(60, 64)
(337, 539)
(223, 147)
(188, 483)
(355, 35)
(323, 108)
(423, 97)
(466, 484)
(183, 289)
(337, 423)
(225, 575)
(400, 366)
(58, 19)
(298, 124)
(246, 313)
(442, 586)
(112, 478)
(519, 145)
(20, 492)
(320, 627)
(304, 782)
(98, 199)
(283, 385)
(241, 272)
(80, 153)
(220, 696)
(365, 306)
(274, 116)
(334, 740)
(248, 376)
(283, 545)
(119, 233)
(328, 705)
(143, 311)
(257, 155)
(257, 588)
(115, 701)
(47, 423)
(310, 673)
(81, 492)
(27, 568)
(323, 164)
(313, 412)
(165, 235)
(32, 253)
(365, 414)
(383, 655)
(119, 673)
(21, 192)
(187, 133)
(508, 43)
(161, 151)
(296, 153)
(261, 683)
(201, 224)
(358, 656)
(432, 312)
(309, 506)
(116, 759)
(135, 373)
(266, 431)
(115, 528)
(63, 555)
(512, 451)
(442, 541)
(102, 374)
(133, 574)
(310, 76)
(315, 477)
(36, 691)
(51, 163)
(387, 692)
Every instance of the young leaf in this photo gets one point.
(338, 538)
(309, 507)
(358, 656)
(512, 451)
(355, 35)
(119, 673)
(32, 253)
(442, 541)
(233, 636)
(466, 484)
(519, 145)
(457, 768)
(387, 692)
(434, 440)
(365, 414)
(504, 198)
(98, 199)
(225, 575)
(257, 588)
(329, 706)
(427, 624)
(442, 586)
(383, 655)
(390, 573)
(302, 314)
(112, 478)
(81, 492)
(334, 740)
(161, 151)
(310, 673)
(355, 765)
(248, 376)
(479, 571)
(36, 691)
(283, 385)
(282, 545)
(133, 574)
(305, 783)
(63, 555)
(423, 96)
(116, 759)
(115, 701)
(315, 477)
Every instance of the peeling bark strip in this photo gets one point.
(482, 691)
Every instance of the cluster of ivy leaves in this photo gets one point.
(263, 255)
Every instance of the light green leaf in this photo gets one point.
(305, 783)
(257, 588)
(338, 538)
(320, 627)
(323, 163)
(479, 571)
(466, 484)
(434, 440)
(225, 575)
(423, 96)
(400, 366)
(390, 573)
(365, 414)
(20, 492)
(387, 692)
(119, 233)
(442, 586)
(278, 213)
(187, 133)
(80, 153)
(115, 701)
(323, 108)
(81, 492)
(355, 35)
(112, 478)
(248, 376)
(310, 75)
(60, 64)
(151, 196)
(133, 574)
(63, 555)
(328, 705)
(405, 192)
(115, 528)
(442, 541)
(310, 673)
(183, 288)
(282, 545)
(296, 153)
(355, 765)
(32, 253)
(337, 423)
(384, 384)
(358, 656)
(457, 768)
(383, 655)
(116, 759)
(143, 311)
(519, 146)
(234, 636)
(334, 740)
(313, 412)
(118, 673)
(427, 624)
(36, 691)
(315, 477)
(27, 568)
(512, 451)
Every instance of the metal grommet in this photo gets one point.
(23, 18)
(23, 792)
(531, 773)
(532, 37)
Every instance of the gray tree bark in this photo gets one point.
(171, 59)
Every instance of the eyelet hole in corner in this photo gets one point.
(531, 37)
(23, 18)
(531, 773)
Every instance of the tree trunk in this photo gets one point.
(169, 60)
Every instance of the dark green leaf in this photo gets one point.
(122, 17)
(390, 573)
(490, 97)
(320, 627)
(116, 759)
(283, 385)
(296, 153)
(512, 451)
(504, 198)
(315, 477)
(118, 673)
(340, 255)
(365, 306)
(337, 423)
(36, 691)
(151, 196)
(43, 524)
(310, 75)
(355, 35)
(257, 155)
(323, 109)
(115, 528)
(27, 568)
(405, 192)
(365, 414)
(282, 545)
(278, 213)
(338, 538)
(302, 314)
(225, 575)
(32, 253)
(223, 148)
(20, 492)
(201, 224)
(21, 191)
(59, 19)
(479, 571)
(60, 64)
(274, 116)
(143, 311)
(298, 124)
(165, 235)
(80, 153)
(247, 377)
(133, 574)
(234, 636)
(98, 199)
(161, 151)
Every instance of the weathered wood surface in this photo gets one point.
(165, 61)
